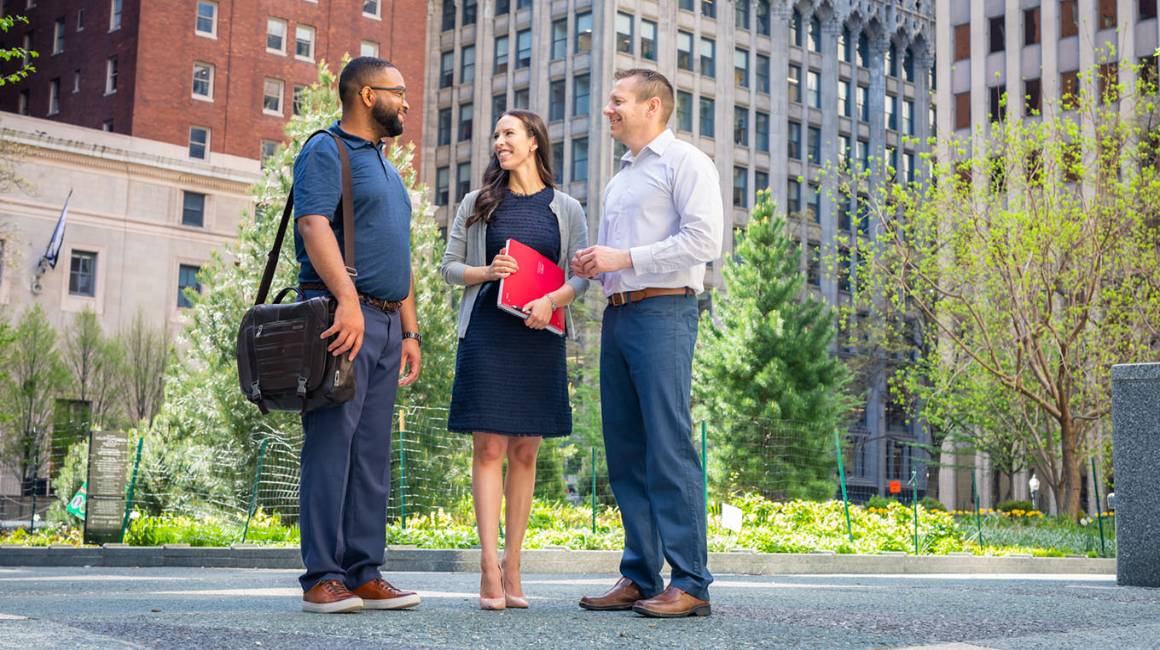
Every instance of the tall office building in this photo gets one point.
(215, 76)
(772, 90)
(1034, 52)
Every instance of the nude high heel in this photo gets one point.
(514, 602)
(492, 604)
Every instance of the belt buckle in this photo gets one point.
(619, 299)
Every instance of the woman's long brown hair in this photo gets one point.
(495, 179)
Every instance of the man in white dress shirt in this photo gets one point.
(662, 221)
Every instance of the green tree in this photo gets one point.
(95, 363)
(8, 54)
(1032, 261)
(765, 376)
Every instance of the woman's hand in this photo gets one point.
(501, 266)
(539, 313)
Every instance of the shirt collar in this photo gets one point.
(657, 146)
(351, 140)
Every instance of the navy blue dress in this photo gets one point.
(511, 379)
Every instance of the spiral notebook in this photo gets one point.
(537, 276)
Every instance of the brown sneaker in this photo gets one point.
(379, 594)
(621, 597)
(672, 603)
(330, 597)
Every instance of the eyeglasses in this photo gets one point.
(400, 91)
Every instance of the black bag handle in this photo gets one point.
(347, 224)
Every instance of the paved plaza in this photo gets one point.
(256, 608)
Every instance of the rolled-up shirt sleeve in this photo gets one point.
(697, 200)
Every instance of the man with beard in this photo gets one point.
(345, 476)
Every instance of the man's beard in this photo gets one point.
(387, 119)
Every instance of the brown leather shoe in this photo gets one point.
(672, 603)
(380, 594)
(330, 597)
(620, 598)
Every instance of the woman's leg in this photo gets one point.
(518, 489)
(486, 491)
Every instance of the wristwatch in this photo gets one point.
(414, 335)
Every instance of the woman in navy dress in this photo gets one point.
(511, 384)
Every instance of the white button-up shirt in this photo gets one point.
(663, 206)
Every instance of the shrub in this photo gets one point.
(931, 503)
(1008, 506)
(881, 502)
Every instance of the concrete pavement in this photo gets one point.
(259, 608)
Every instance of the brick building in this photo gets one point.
(215, 76)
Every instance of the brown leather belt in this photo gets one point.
(625, 297)
(388, 306)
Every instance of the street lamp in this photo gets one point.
(1033, 483)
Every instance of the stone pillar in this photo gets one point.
(923, 60)
(876, 97)
(831, 30)
(947, 483)
(1136, 454)
(780, 15)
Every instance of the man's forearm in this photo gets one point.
(407, 311)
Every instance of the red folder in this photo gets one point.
(537, 276)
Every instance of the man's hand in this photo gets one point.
(502, 265)
(594, 260)
(347, 329)
(539, 313)
(410, 362)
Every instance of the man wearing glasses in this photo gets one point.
(345, 476)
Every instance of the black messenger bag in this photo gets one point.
(283, 364)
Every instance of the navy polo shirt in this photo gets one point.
(382, 208)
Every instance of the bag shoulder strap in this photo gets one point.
(347, 222)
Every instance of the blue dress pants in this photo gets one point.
(346, 466)
(646, 359)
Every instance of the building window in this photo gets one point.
(794, 79)
(498, 106)
(760, 183)
(963, 110)
(368, 48)
(297, 101)
(1031, 34)
(687, 5)
(794, 140)
(206, 23)
(193, 209)
(962, 42)
(814, 88)
(202, 80)
(82, 274)
(556, 98)
(304, 42)
(741, 15)
(276, 35)
(559, 38)
(111, 75)
(58, 36)
(813, 264)
(1069, 88)
(845, 98)
(107, 126)
(580, 94)
(187, 279)
(465, 121)
(762, 73)
(523, 48)
(448, 21)
(76, 81)
(908, 117)
(740, 187)
(520, 98)
(467, 64)
(908, 166)
(502, 7)
(114, 15)
(998, 33)
(741, 126)
(908, 66)
(814, 202)
(761, 130)
(1147, 9)
(580, 159)
(81, 19)
(623, 32)
(447, 69)
(198, 142)
(892, 112)
(54, 96)
(846, 46)
(864, 153)
(272, 90)
(371, 8)
(1068, 18)
(814, 143)
(845, 150)
(815, 35)
(470, 12)
(558, 161)
(763, 14)
(709, 8)
(795, 29)
(793, 199)
(684, 111)
(998, 109)
(462, 180)
(708, 57)
(684, 50)
(501, 55)
(1107, 83)
(1031, 88)
(708, 118)
(741, 68)
(443, 130)
(863, 103)
(583, 38)
(648, 40)
(1107, 14)
(442, 185)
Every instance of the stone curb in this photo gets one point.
(552, 561)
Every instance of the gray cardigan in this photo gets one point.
(468, 247)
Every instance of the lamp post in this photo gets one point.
(1033, 483)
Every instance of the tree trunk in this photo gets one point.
(1068, 438)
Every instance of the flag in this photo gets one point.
(76, 505)
(53, 251)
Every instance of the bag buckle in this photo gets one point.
(255, 392)
(301, 386)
